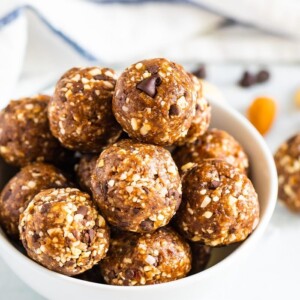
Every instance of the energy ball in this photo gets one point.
(214, 144)
(151, 258)
(25, 135)
(136, 186)
(84, 170)
(219, 205)
(154, 101)
(22, 188)
(288, 169)
(62, 230)
(80, 111)
(201, 120)
(200, 257)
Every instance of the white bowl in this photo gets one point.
(225, 260)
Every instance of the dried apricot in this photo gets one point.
(261, 113)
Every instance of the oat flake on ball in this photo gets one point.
(219, 205)
(22, 188)
(25, 135)
(154, 101)
(136, 186)
(80, 111)
(62, 230)
(151, 258)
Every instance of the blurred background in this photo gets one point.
(221, 40)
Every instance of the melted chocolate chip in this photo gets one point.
(149, 85)
(174, 110)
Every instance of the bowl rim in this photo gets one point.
(8, 247)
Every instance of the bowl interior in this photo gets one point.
(263, 175)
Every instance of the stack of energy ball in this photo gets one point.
(140, 215)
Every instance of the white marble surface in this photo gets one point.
(272, 271)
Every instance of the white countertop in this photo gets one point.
(272, 271)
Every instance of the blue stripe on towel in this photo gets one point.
(13, 15)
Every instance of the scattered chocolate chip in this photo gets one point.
(82, 210)
(200, 72)
(148, 85)
(152, 69)
(147, 225)
(174, 110)
(262, 76)
(214, 184)
(100, 77)
(45, 208)
(247, 79)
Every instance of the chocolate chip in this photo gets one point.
(100, 77)
(111, 275)
(129, 273)
(75, 234)
(262, 76)
(85, 238)
(200, 72)
(147, 225)
(69, 263)
(92, 235)
(6, 194)
(174, 110)
(82, 210)
(214, 184)
(247, 79)
(136, 210)
(35, 237)
(148, 85)
(77, 87)
(45, 208)
(152, 69)
(145, 189)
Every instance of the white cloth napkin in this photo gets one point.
(41, 39)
